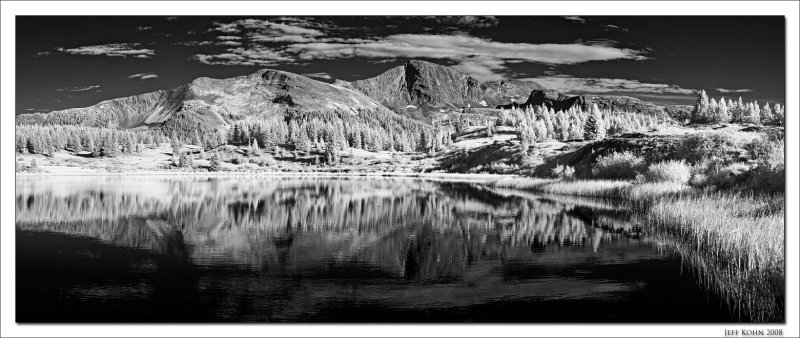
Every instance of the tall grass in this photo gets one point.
(733, 240)
(736, 244)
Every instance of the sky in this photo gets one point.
(70, 61)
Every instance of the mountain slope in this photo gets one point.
(212, 103)
(419, 89)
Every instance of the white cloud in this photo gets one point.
(282, 40)
(143, 76)
(144, 28)
(78, 89)
(482, 68)
(461, 47)
(744, 90)
(193, 43)
(575, 19)
(606, 85)
(229, 43)
(112, 49)
(253, 56)
(325, 76)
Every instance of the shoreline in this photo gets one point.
(275, 173)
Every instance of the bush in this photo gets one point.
(237, 160)
(564, 172)
(624, 165)
(532, 159)
(734, 175)
(669, 171)
(215, 162)
(697, 147)
(770, 174)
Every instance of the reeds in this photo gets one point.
(733, 240)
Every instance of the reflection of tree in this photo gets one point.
(412, 228)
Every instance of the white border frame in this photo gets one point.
(9, 10)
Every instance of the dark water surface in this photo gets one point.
(144, 249)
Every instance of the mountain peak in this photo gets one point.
(428, 88)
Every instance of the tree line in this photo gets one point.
(727, 110)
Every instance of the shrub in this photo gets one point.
(564, 172)
(532, 159)
(237, 160)
(668, 171)
(770, 174)
(697, 147)
(267, 161)
(215, 162)
(730, 176)
(624, 165)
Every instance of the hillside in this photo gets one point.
(419, 89)
(210, 103)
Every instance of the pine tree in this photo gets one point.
(594, 129)
(778, 115)
(766, 114)
(215, 163)
(700, 113)
(175, 144)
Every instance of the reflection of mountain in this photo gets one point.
(410, 228)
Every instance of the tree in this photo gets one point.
(215, 163)
(175, 144)
(331, 154)
(766, 114)
(700, 114)
(185, 160)
(594, 129)
(110, 145)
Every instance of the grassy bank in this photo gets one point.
(734, 241)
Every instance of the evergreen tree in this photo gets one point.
(766, 114)
(700, 114)
(215, 163)
(175, 144)
(594, 129)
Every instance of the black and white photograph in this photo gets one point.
(597, 172)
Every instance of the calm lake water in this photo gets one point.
(260, 249)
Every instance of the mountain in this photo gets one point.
(211, 103)
(419, 89)
(560, 101)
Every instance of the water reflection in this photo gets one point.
(274, 249)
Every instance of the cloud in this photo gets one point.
(461, 47)
(112, 49)
(193, 43)
(144, 28)
(78, 89)
(607, 85)
(253, 56)
(229, 43)
(482, 68)
(575, 19)
(325, 76)
(615, 27)
(260, 35)
(296, 40)
(143, 76)
(743, 90)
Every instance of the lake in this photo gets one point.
(328, 249)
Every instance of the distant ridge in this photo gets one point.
(560, 101)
